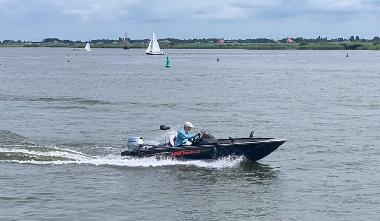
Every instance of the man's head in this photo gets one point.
(187, 126)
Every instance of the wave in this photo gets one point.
(42, 155)
(9, 137)
(83, 103)
(53, 99)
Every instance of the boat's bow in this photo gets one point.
(263, 149)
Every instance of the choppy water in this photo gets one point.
(63, 126)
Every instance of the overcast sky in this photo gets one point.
(95, 19)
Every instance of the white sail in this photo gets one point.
(87, 48)
(149, 49)
(154, 47)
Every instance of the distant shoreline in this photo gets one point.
(347, 45)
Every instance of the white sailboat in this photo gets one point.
(154, 47)
(87, 48)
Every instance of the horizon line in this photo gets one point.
(202, 38)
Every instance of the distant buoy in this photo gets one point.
(217, 59)
(167, 62)
(347, 55)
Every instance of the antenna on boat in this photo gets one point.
(251, 134)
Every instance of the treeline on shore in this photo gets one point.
(352, 43)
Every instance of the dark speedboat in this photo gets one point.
(205, 146)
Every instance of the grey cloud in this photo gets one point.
(87, 10)
(199, 16)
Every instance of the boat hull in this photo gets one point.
(155, 53)
(252, 149)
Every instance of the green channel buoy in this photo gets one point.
(167, 62)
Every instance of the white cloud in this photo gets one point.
(96, 9)
(344, 6)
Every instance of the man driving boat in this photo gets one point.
(184, 136)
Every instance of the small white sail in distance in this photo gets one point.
(154, 47)
(87, 48)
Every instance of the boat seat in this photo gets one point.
(172, 139)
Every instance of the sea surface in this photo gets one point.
(65, 116)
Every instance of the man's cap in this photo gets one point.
(188, 124)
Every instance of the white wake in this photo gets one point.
(60, 156)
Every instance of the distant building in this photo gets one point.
(220, 42)
(289, 40)
(165, 41)
(51, 40)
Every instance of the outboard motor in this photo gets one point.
(135, 142)
(164, 128)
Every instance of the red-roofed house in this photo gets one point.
(220, 42)
(289, 40)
